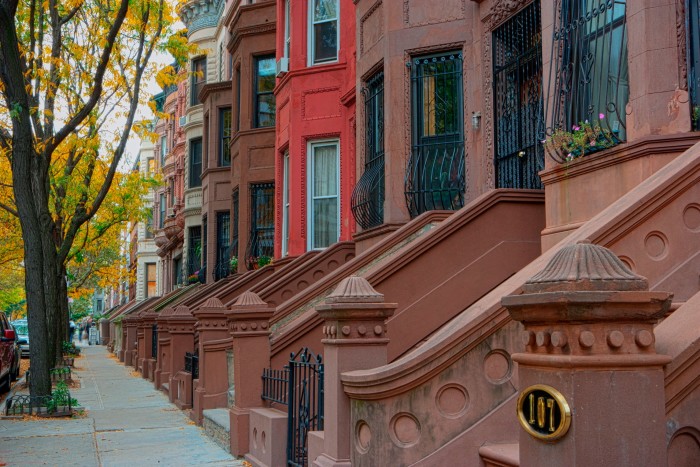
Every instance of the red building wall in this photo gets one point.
(314, 102)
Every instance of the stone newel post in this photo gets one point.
(181, 325)
(248, 321)
(592, 384)
(355, 339)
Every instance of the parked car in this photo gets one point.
(9, 366)
(22, 335)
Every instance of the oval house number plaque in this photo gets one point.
(543, 412)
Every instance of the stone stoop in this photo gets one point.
(217, 426)
(500, 455)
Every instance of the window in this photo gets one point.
(323, 31)
(194, 249)
(221, 61)
(435, 174)
(367, 201)
(149, 224)
(177, 271)
(223, 229)
(162, 206)
(151, 166)
(693, 41)
(225, 137)
(163, 150)
(287, 30)
(151, 290)
(264, 87)
(199, 78)
(262, 222)
(202, 273)
(517, 84)
(324, 207)
(238, 99)
(591, 74)
(195, 162)
(234, 235)
(98, 305)
(285, 204)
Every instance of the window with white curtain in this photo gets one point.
(285, 204)
(323, 183)
(323, 32)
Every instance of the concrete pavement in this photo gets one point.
(128, 423)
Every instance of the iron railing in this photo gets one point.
(222, 270)
(62, 373)
(192, 364)
(262, 228)
(54, 405)
(589, 76)
(367, 200)
(435, 171)
(194, 247)
(517, 90)
(154, 342)
(692, 25)
(275, 385)
(435, 178)
(305, 404)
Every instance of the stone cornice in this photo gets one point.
(201, 14)
(243, 32)
(212, 88)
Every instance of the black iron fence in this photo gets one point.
(222, 270)
(62, 373)
(305, 404)
(299, 386)
(192, 364)
(154, 342)
(275, 385)
(49, 406)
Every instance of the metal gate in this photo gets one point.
(305, 404)
(154, 342)
(517, 71)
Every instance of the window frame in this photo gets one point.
(147, 280)
(312, 35)
(311, 147)
(197, 81)
(257, 93)
(224, 139)
(191, 164)
(162, 205)
(286, 47)
(285, 203)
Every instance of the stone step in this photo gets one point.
(217, 426)
(500, 455)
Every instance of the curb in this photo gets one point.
(20, 382)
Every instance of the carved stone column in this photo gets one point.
(211, 390)
(129, 324)
(161, 373)
(248, 321)
(592, 384)
(355, 339)
(181, 329)
(148, 320)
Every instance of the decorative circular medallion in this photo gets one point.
(452, 400)
(405, 429)
(543, 412)
(363, 437)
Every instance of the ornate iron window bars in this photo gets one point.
(435, 172)
(367, 200)
(692, 25)
(262, 225)
(517, 91)
(588, 73)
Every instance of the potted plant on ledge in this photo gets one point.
(583, 139)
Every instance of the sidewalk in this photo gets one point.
(128, 423)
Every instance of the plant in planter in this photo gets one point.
(584, 138)
(193, 278)
(233, 263)
(263, 261)
(61, 401)
(695, 116)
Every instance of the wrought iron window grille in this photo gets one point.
(435, 172)
(517, 91)
(367, 200)
(154, 342)
(262, 225)
(586, 109)
(692, 26)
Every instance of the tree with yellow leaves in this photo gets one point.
(68, 71)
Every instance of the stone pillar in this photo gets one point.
(148, 320)
(161, 374)
(181, 329)
(140, 345)
(211, 390)
(104, 331)
(355, 339)
(592, 384)
(248, 321)
(129, 324)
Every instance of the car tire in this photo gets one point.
(14, 374)
(5, 386)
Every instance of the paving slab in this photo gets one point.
(127, 423)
